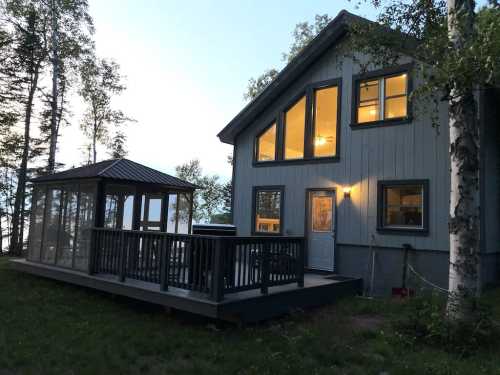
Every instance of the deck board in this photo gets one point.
(249, 305)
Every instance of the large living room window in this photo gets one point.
(325, 121)
(266, 144)
(295, 121)
(403, 206)
(268, 210)
(304, 131)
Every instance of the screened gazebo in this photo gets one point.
(113, 194)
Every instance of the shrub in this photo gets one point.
(424, 320)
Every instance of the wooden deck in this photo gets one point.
(243, 306)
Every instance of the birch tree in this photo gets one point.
(457, 49)
(101, 80)
(71, 32)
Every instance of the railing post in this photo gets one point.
(123, 256)
(300, 263)
(266, 256)
(218, 271)
(164, 263)
(92, 252)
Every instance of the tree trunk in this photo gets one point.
(94, 143)
(16, 242)
(464, 163)
(55, 71)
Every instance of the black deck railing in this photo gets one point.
(208, 264)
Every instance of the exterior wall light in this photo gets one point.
(347, 192)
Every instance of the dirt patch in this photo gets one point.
(367, 322)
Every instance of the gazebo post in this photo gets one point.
(98, 223)
(190, 223)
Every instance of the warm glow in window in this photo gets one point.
(395, 97)
(325, 122)
(267, 144)
(403, 206)
(268, 211)
(294, 130)
(322, 212)
(383, 98)
(369, 104)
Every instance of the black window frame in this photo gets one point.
(379, 75)
(269, 188)
(256, 147)
(309, 93)
(381, 187)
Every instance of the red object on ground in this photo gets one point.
(403, 292)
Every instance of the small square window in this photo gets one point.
(403, 206)
(383, 98)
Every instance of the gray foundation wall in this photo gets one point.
(353, 260)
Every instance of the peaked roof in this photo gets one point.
(324, 40)
(118, 169)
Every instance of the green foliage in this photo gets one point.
(100, 80)
(425, 27)
(117, 146)
(302, 35)
(208, 199)
(48, 327)
(424, 319)
(257, 85)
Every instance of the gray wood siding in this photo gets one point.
(491, 166)
(409, 151)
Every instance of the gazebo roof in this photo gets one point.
(118, 169)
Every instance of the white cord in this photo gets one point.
(427, 281)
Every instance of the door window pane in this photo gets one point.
(294, 130)
(51, 225)
(36, 228)
(322, 214)
(267, 144)
(325, 122)
(67, 229)
(85, 225)
(403, 206)
(268, 211)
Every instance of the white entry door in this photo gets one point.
(321, 229)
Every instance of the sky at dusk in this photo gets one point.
(187, 65)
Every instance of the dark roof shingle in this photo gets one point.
(119, 169)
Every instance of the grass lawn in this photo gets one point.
(47, 327)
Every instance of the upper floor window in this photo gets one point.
(266, 144)
(325, 122)
(382, 98)
(295, 121)
(305, 131)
